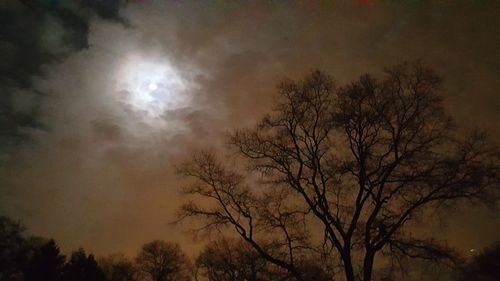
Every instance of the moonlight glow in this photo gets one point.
(151, 86)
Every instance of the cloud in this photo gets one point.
(33, 34)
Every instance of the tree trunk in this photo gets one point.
(368, 265)
(349, 271)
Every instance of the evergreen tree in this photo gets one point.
(81, 267)
(46, 265)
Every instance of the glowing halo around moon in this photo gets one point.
(151, 87)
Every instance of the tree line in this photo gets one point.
(30, 258)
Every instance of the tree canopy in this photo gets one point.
(162, 261)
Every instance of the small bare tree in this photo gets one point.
(117, 267)
(344, 172)
(233, 260)
(162, 261)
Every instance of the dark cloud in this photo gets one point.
(106, 9)
(33, 34)
(101, 174)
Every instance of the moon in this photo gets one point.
(151, 86)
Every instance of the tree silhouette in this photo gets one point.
(340, 173)
(82, 267)
(16, 249)
(233, 260)
(118, 268)
(162, 261)
(12, 249)
(46, 264)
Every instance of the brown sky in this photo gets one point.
(101, 175)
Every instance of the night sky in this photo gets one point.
(100, 100)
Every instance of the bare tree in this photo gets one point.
(228, 259)
(344, 172)
(118, 268)
(233, 260)
(162, 261)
